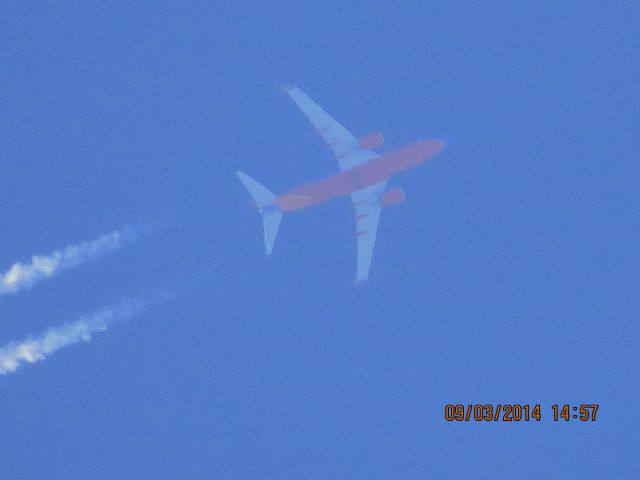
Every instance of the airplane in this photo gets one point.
(363, 176)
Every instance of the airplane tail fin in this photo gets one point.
(271, 214)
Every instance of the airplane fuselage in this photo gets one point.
(361, 176)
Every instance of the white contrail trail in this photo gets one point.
(35, 349)
(22, 276)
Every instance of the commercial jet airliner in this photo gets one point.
(363, 176)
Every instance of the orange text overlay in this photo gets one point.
(516, 412)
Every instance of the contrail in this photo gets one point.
(22, 276)
(32, 350)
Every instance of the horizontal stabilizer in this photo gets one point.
(262, 195)
(270, 223)
(271, 214)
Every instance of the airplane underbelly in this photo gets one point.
(357, 178)
(398, 161)
(328, 188)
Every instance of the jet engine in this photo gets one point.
(371, 141)
(392, 197)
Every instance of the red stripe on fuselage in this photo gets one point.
(362, 176)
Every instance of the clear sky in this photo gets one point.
(510, 274)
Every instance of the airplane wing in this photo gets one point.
(368, 209)
(342, 143)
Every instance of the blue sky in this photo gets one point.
(508, 276)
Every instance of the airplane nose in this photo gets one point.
(432, 147)
(429, 149)
(437, 146)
